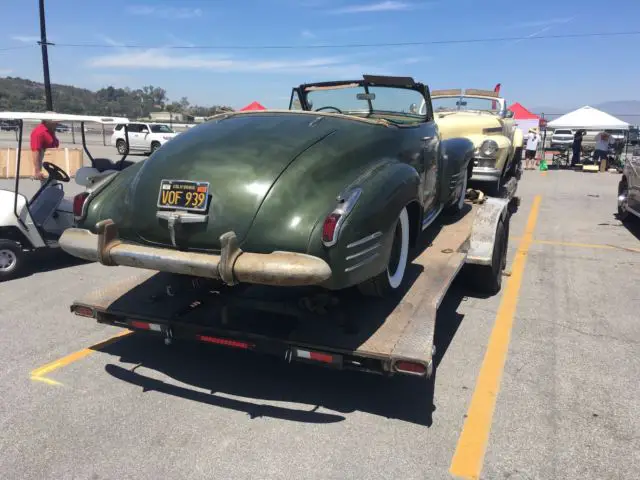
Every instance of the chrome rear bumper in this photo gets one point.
(231, 266)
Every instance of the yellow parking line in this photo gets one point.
(469, 455)
(580, 245)
(38, 373)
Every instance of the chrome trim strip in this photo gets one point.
(364, 239)
(363, 262)
(362, 252)
(429, 220)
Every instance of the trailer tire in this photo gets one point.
(11, 259)
(487, 279)
(386, 282)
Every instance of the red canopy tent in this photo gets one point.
(524, 118)
(521, 113)
(253, 106)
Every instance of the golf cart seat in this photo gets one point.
(104, 164)
(45, 204)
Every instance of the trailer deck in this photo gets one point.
(341, 329)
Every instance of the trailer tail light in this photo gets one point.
(317, 356)
(78, 203)
(224, 341)
(84, 311)
(412, 368)
(145, 325)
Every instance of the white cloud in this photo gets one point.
(413, 60)
(164, 12)
(543, 23)
(307, 34)
(5, 71)
(163, 60)
(110, 41)
(385, 6)
(25, 38)
(179, 42)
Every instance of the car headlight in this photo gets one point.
(489, 148)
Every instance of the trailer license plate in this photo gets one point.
(183, 195)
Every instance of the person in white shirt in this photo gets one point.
(531, 148)
(603, 140)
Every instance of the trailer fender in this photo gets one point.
(483, 231)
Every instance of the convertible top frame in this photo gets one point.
(367, 81)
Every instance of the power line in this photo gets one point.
(345, 45)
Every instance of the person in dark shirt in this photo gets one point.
(577, 146)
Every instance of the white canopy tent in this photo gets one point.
(588, 118)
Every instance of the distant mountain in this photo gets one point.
(626, 110)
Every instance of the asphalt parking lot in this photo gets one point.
(538, 382)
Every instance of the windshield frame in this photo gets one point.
(503, 105)
(403, 83)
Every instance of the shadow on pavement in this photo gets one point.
(48, 260)
(223, 373)
(632, 224)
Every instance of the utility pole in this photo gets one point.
(45, 57)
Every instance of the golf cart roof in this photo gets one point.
(61, 117)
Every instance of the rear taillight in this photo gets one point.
(333, 221)
(329, 228)
(78, 203)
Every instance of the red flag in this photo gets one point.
(497, 90)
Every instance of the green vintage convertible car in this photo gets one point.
(331, 192)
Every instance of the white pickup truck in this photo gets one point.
(562, 139)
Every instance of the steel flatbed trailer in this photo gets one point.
(341, 330)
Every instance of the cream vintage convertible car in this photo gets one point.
(482, 117)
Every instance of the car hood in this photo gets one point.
(467, 124)
(242, 157)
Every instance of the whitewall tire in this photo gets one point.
(392, 278)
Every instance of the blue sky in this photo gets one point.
(549, 72)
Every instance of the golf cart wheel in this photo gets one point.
(121, 145)
(155, 146)
(487, 279)
(11, 259)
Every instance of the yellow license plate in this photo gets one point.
(183, 195)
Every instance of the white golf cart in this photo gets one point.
(38, 223)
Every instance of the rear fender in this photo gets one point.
(367, 232)
(456, 156)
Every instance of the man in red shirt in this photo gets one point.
(42, 137)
